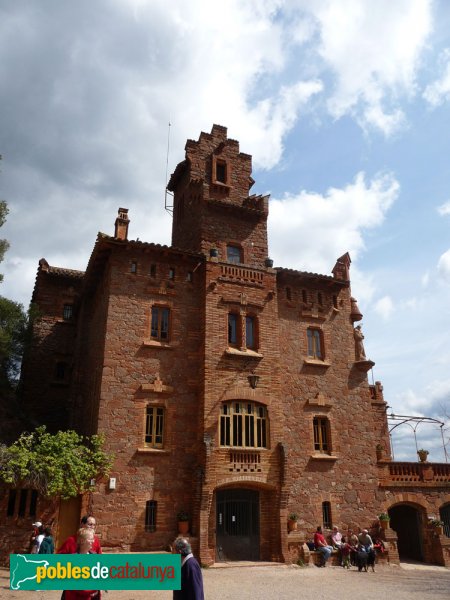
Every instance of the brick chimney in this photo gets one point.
(121, 224)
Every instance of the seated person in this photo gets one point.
(322, 546)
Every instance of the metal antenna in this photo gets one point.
(167, 207)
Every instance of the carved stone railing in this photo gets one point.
(409, 473)
(236, 273)
(246, 461)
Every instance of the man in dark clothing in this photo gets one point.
(191, 573)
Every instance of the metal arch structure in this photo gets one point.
(414, 422)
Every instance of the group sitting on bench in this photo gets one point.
(358, 550)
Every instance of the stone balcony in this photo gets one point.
(404, 474)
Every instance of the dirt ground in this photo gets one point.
(250, 581)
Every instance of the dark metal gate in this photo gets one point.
(406, 521)
(444, 514)
(237, 525)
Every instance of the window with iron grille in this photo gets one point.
(244, 424)
(68, 312)
(150, 515)
(154, 426)
(326, 515)
(160, 323)
(321, 427)
(315, 343)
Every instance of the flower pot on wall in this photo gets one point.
(423, 455)
(292, 525)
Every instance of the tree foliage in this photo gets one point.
(4, 245)
(60, 464)
(14, 330)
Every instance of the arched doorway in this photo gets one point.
(237, 524)
(406, 521)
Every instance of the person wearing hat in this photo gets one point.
(36, 537)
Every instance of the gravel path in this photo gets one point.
(281, 582)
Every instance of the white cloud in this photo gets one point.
(384, 307)
(444, 209)
(377, 58)
(438, 92)
(443, 266)
(310, 231)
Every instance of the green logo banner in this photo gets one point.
(95, 571)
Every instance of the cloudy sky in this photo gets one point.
(345, 107)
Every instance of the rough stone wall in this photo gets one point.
(336, 390)
(45, 396)
(132, 364)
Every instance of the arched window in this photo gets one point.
(244, 424)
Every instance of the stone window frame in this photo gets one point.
(241, 330)
(327, 515)
(322, 429)
(151, 507)
(234, 246)
(219, 162)
(239, 424)
(22, 502)
(156, 430)
(68, 312)
(312, 341)
(160, 306)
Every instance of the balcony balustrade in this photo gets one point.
(414, 474)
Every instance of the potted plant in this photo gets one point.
(438, 525)
(214, 252)
(292, 521)
(384, 519)
(423, 454)
(268, 262)
(183, 522)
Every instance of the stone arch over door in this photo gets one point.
(408, 521)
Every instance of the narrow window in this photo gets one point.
(160, 323)
(321, 427)
(133, 267)
(304, 296)
(68, 312)
(250, 332)
(319, 298)
(326, 515)
(154, 426)
(225, 426)
(288, 294)
(335, 302)
(190, 276)
(150, 515)
(315, 349)
(233, 329)
(171, 273)
(152, 270)
(221, 171)
(234, 254)
(60, 371)
(11, 503)
(22, 502)
(33, 503)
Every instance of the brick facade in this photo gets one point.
(128, 359)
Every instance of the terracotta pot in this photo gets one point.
(183, 527)
(384, 524)
(292, 525)
(439, 530)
